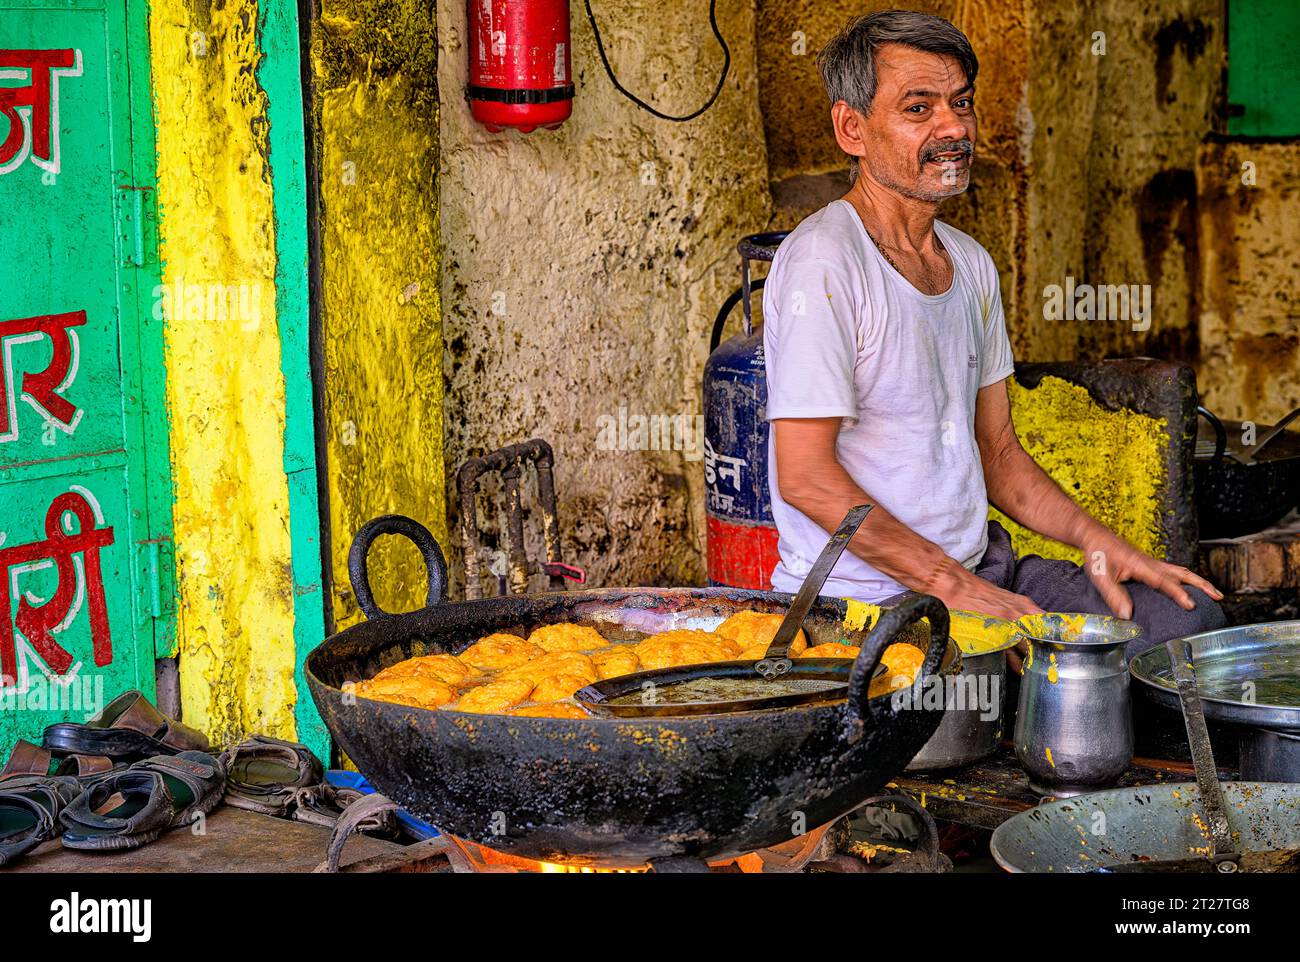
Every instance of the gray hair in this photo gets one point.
(848, 62)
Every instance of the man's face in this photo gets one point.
(920, 134)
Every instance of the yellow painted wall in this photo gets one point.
(224, 385)
(376, 111)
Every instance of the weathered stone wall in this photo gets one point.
(1249, 297)
(583, 268)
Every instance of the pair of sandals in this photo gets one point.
(115, 782)
(284, 779)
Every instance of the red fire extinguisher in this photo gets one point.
(519, 72)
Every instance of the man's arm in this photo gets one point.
(1022, 490)
(812, 480)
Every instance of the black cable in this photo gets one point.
(726, 65)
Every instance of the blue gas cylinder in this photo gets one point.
(741, 535)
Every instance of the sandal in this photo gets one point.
(28, 759)
(30, 806)
(326, 803)
(270, 776)
(134, 806)
(128, 728)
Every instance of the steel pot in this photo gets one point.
(605, 792)
(972, 725)
(1270, 756)
(1074, 730)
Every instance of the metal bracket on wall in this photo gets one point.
(510, 461)
(158, 577)
(130, 219)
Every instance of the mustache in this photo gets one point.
(931, 150)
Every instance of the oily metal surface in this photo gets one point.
(1113, 830)
(608, 792)
(1247, 675)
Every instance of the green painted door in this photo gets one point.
(1263, 68)
(85, 547)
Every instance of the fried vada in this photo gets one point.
(557, 687)
(902, 663)
(832, 649)
(553, 663)
(750, 629)
(415, 691)
(500, 651)
(615, 660)
(493, 698)
(445, 668)
(566, 637)
(681, 646)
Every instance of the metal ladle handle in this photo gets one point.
(776, 660)
(1198, 737)
(1274, 432)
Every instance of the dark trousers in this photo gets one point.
(1064, 586)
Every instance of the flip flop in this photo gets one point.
(30, 806)
(134, 806)
(129, 728)
(269, 775)
(28, 759)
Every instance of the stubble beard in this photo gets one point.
(913, 191)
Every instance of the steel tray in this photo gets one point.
(1248, 675)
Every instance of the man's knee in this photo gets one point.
(1208, 614)
(1163, 618)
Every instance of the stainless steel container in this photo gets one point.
(1074, 732)
(972, 721)
(1270, 756)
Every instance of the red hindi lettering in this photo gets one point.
(41, 387)
(38, 95)
(37, 622)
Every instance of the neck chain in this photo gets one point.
(885, 254)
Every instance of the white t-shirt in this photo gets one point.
(845, 335)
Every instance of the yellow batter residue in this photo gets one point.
(1052, 674)
(1048, 753)
(1111, 462)
(976, 634)
(859, 615)
(1066, 627)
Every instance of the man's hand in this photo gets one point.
(1110, 561)
(961, 590)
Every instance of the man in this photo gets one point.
(887, 361)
